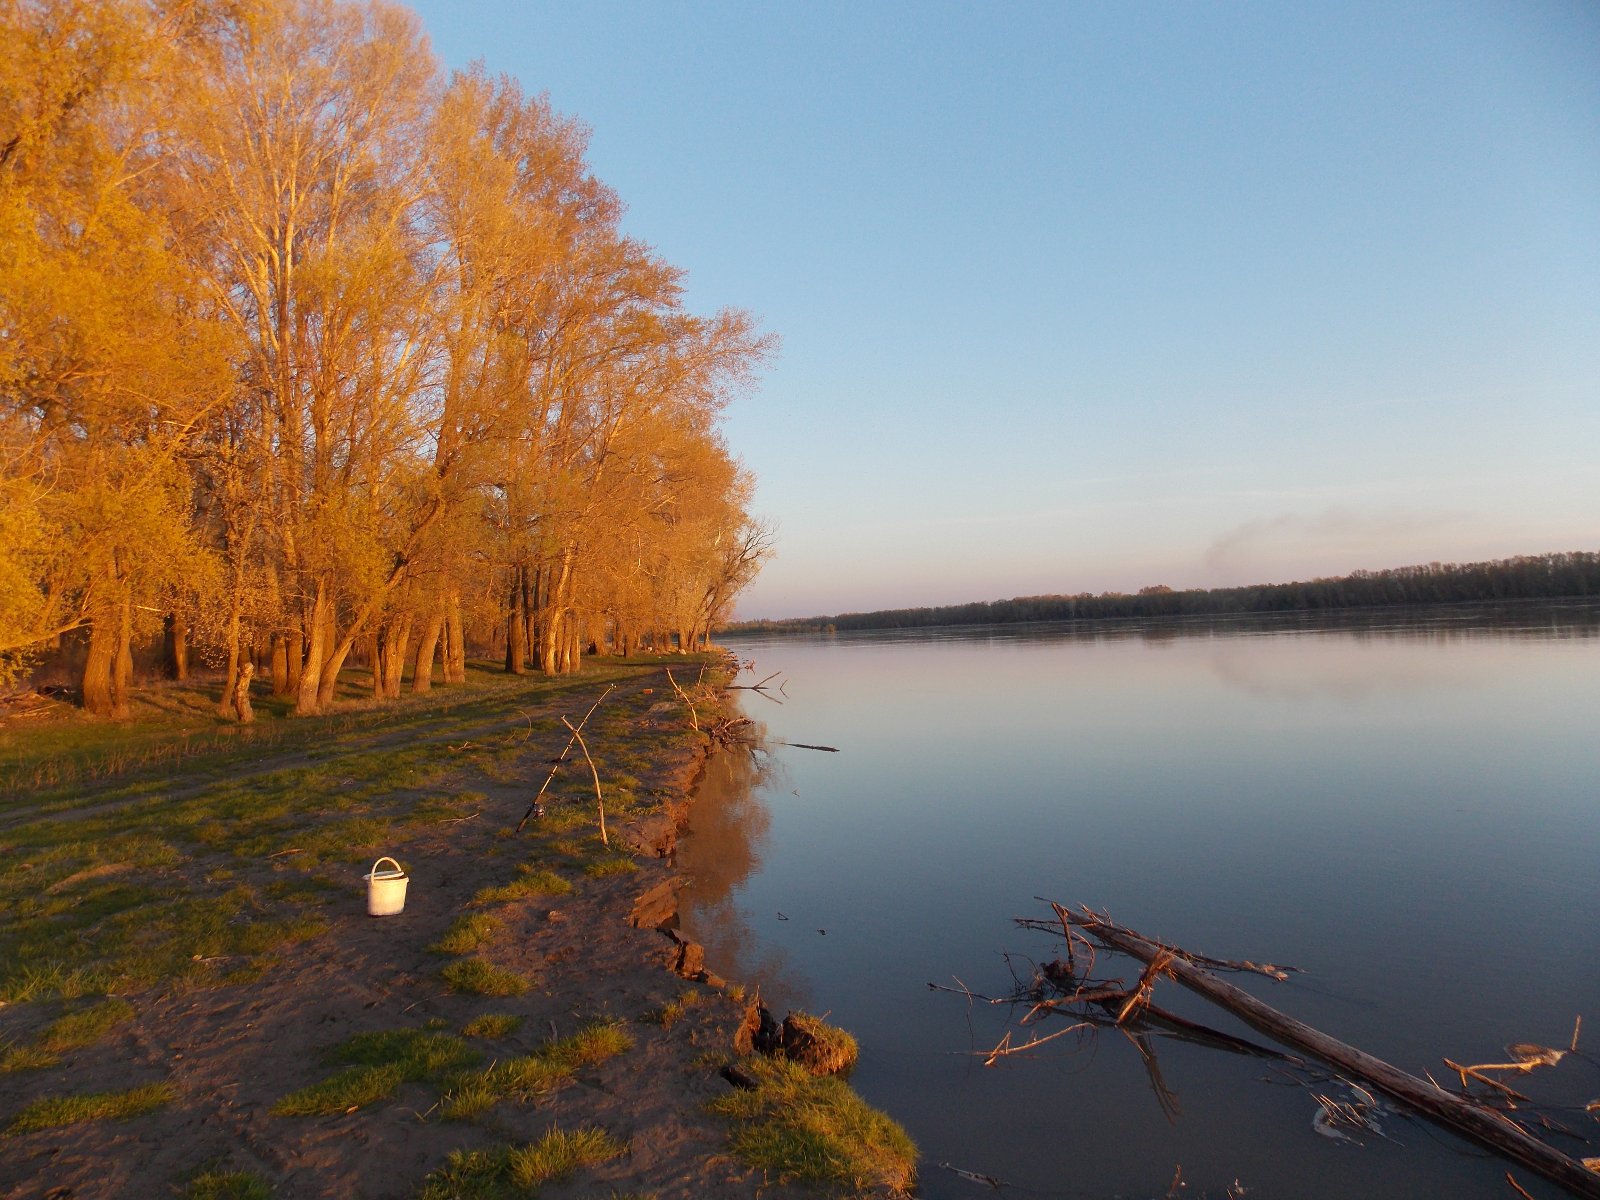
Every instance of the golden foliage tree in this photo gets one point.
(310, 350)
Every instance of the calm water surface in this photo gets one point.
(1406, 807)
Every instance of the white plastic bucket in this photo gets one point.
(386, 890)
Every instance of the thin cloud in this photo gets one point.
(1339, 538)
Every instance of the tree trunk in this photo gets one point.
(375, 663)
(455, 647)
(97, 670)
(422, 668)
(279, 654)
(240, 697)
(307, 699)
(328, 685)
(395, 640)
(122, 660)
(175, 647)
(516, 626)
(296, 654)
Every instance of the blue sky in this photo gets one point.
(1083, 297)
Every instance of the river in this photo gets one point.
(1405, 806)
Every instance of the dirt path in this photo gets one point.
(229, 1053)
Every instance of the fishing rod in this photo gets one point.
(556, 766)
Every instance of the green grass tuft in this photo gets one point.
(507, 1172)
(378, 1063)
(482, 978)
(49, 1112)
(670, 1013)
(594, 1043)
(560, 1153)
(530, 881)
(81, 1028)
(615, 864)
(227, 1185)
(815, 1129)
(492, 1025)
(467, 934)
(548, 1068)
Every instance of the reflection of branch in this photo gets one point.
(1165, 1096)
(754, 687)
(974, 1177)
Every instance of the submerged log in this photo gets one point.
(1473, 1121)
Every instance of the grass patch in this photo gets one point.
(151, 852)
(815, 1129)
(492, 1025)
(378, 1063)
(546, 1069)
(481, 977)
(821, 1048)
(670, 1013)
(530, 881)
(594, 1043)
(50, 1112)
(467, 934)
(86, 1026)
(614, 864)
(227, 1185)
(76, 1029)
(508, 1172)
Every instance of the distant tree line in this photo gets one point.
(1530, 577)
(310, 355)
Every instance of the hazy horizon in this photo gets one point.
(1133, 590)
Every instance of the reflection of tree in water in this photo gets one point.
(728, 823)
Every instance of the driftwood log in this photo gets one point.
(1475, 1122)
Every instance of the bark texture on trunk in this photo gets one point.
(122, 659)
(295, 651)
(455, 647)
(422, 668)
(307, 703)
(97, 670)
(516, 625)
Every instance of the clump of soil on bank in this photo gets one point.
(191, 990)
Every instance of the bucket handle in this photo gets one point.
(387, 859)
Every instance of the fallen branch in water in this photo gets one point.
(1005, 1047)
(754, 687)
(1462, 1115)
(804, 746)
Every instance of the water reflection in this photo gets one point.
(728, 826)
(1406, 805)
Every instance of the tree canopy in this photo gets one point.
(307, 349)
